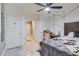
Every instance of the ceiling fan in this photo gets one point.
(48, 7)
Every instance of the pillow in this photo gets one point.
(71, 34)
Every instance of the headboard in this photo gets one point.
(71, 27)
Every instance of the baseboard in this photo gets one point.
(5, 49)
(13, 48)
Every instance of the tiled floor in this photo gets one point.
(29, 49)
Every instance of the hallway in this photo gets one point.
(29, 49)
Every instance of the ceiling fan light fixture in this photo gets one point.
(47, 9)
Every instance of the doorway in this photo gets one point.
(29, 30)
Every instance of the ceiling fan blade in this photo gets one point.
(40, 10)
(49, 4)
(56, 7)
(40, 4)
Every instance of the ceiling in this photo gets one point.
(29, 9)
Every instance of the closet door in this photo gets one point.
(14, 32)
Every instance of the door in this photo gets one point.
(29, 30)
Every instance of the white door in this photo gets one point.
(14, 32)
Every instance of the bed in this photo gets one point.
(60, 46)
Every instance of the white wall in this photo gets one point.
(40, 24)
(54, 23)
(14, 26)
(59, 25)
(39, 27)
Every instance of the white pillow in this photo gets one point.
(71, 34)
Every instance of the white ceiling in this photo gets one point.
(29, 9)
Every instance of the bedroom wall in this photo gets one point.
(14, 26)
(40, 25)
(59, 25)
(54, 23)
